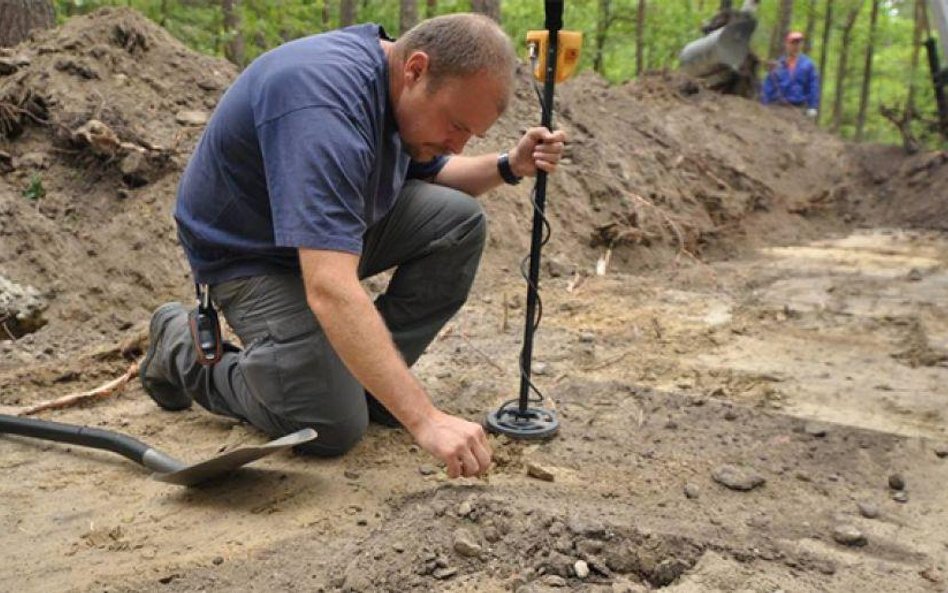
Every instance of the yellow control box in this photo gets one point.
(567, 53)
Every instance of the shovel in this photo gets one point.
(166, 468)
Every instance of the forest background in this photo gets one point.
(869, 52)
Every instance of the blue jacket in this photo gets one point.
(800, 87)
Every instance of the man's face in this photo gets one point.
(793, 46)
(440, 120)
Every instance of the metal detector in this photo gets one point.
(558, 53)
(166, 468)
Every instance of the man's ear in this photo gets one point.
(416, 66)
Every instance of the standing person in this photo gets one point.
(793, 79)
(325, 163)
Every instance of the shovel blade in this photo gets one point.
(227, 462)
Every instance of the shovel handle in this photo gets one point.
(84, 436)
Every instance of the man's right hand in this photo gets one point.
(460, 444)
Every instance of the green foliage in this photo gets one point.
(669, 25)
(35, 190)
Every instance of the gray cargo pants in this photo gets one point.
(288, 377)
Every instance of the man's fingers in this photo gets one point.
(470, 466)
(454, 467)
(483, 458)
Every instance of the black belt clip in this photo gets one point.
(205, 328)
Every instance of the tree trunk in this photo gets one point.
(909, 112)
(867, 71)
(781, 28)
(407, 16)
(842, 69)
(810, 26)
(489, 7)
(640, 38)
(326, 15)
(431, 8)
(824, 46)
(234, 48)
(348, 12)
(19, 17)
(603, 21)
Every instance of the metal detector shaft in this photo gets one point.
(554, 22)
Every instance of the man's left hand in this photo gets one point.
(538, 149)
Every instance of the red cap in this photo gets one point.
(794, 36)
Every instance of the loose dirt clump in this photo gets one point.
(737, 370)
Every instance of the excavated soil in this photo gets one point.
(745, 335)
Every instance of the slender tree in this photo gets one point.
(781, 28)
(234, 48)
(810, 26)
(408, 15)
(19, 17)
(867, 71)
(913, 68)
(824, 45)
(326, 15)
(489, 7)
(348, 12)
(431, 8)
(640, 38)
(603, 20)
(842, 69)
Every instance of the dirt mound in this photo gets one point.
(901, 191)
(97, 119)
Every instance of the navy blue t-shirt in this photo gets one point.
(301, 151)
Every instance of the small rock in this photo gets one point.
(427, 470)
(465, 508)
(587, 337)
(553, 580)
(589, 547)
(351, 474)
(581, 568)
(539, 472)
(849, 535)
(444, 573)
(465, 544)
(692, 491)
(896, 482)
(191, 118)
(671, 425)
(218, 560)
(398, 547)
(668, 571)
(815, 429)
(932, 575)
(444, 374)
(900, 496)
(730, 415)
(941, 450)
(737, 478)
(540, 368)
(868, 510)
(914, 275)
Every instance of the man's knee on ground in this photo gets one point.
(336, 438)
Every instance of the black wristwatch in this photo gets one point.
(503, 167)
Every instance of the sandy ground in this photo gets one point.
(806, 364)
